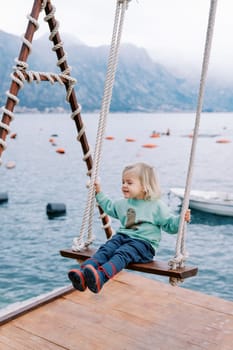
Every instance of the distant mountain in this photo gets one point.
(141, 83)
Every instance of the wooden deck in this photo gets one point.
(131, 312)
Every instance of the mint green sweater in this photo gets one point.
(141, 219)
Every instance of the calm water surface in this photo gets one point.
(30, 263)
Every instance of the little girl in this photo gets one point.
(142, 215)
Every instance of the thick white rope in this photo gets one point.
(87, 222)
(181, 254)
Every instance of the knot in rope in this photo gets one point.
(177, 261)
(175, 281)
(79, 244)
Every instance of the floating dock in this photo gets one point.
(132, 312)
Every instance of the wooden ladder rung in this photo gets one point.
(155, 267)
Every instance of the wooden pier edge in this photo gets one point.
(10, 313)
(155, 267)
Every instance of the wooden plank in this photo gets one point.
(32, 304)
(131, 312)
(19, 339)
(154, 267)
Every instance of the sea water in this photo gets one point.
(30, 263)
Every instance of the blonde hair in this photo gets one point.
(148, 178)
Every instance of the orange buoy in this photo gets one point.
(155, 135)
(129, 139)
(60, 150)
(109, 138)
(223, 141)
(13, 136)
(149, 145)
(51, 140)
(10, 165)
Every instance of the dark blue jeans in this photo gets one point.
(121, 250)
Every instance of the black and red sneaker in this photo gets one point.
(94, 278)
(77, 279)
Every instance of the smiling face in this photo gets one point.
(131, 186)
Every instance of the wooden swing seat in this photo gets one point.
(154, 267)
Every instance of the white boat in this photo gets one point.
(219, 203)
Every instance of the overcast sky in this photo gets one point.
(172, 30)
